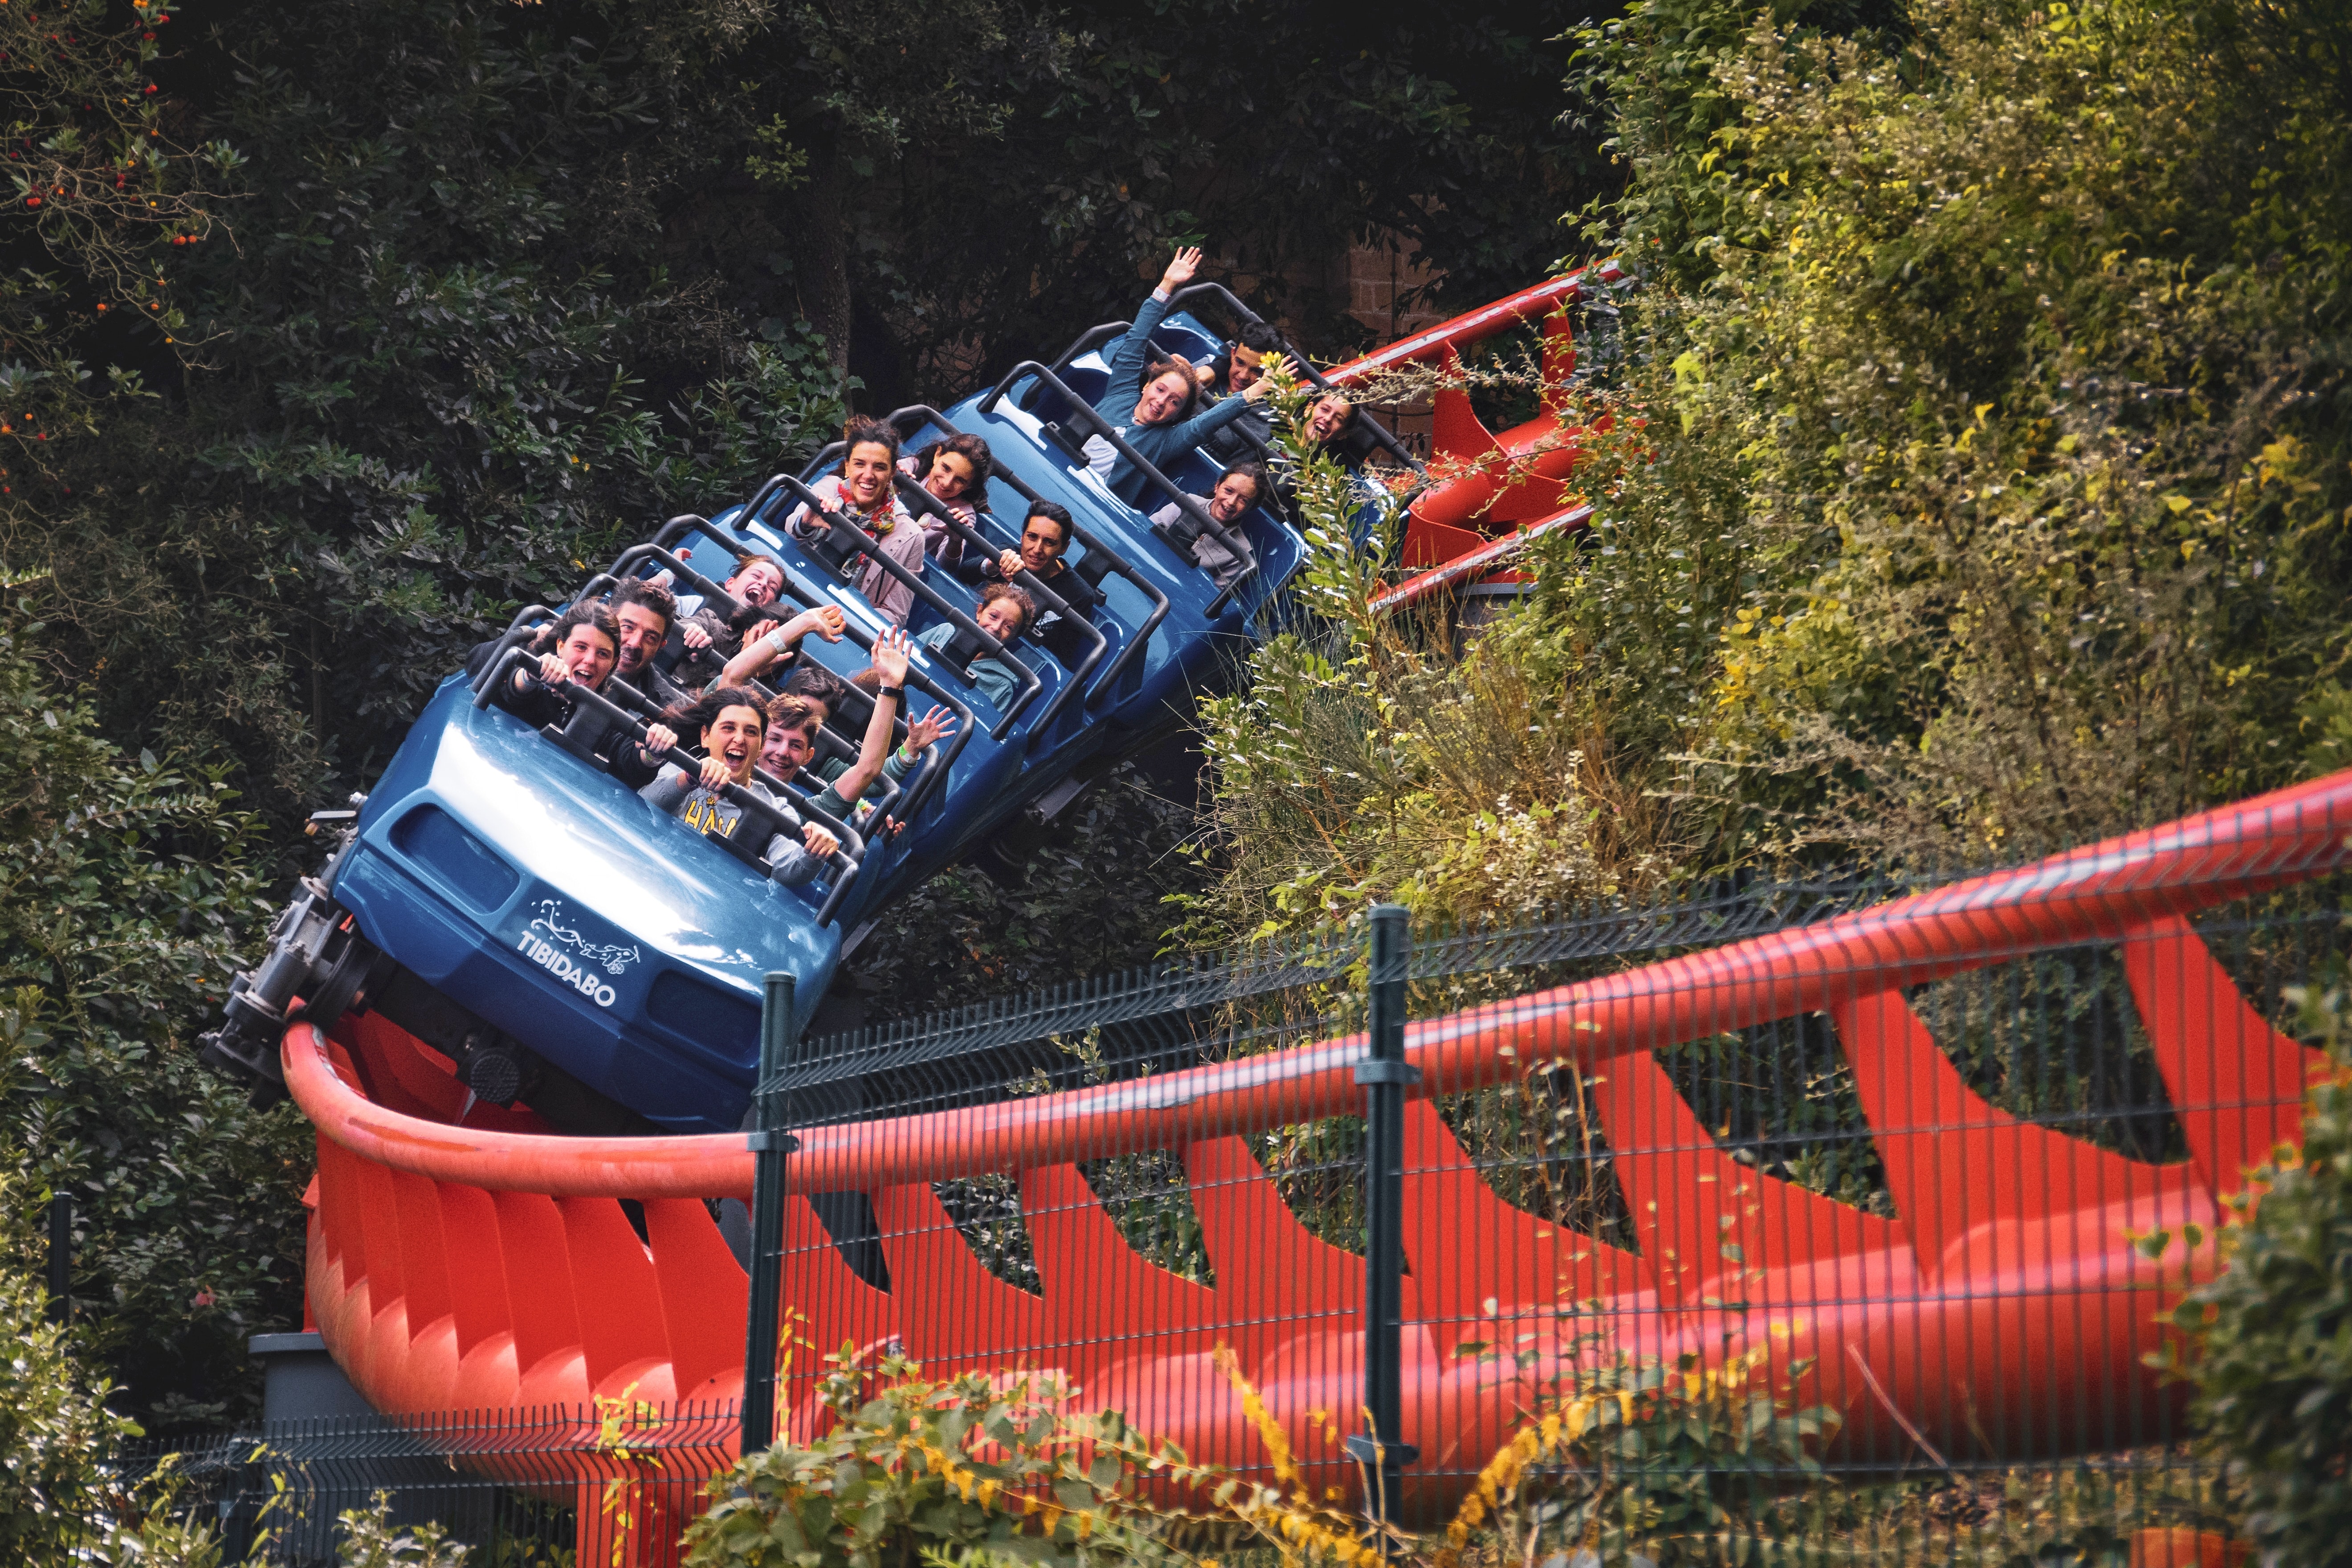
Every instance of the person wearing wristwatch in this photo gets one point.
(886, 682)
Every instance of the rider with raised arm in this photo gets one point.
(876, 758)
(1151, 404)
(714, 632)
(732, 723)
(864, 492)
(780, 644)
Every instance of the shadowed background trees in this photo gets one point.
(330, 333)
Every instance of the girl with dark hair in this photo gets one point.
(584, 647)
(732, 723)
(954, 473)
(861, 491)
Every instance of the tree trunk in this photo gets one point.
(823, 251)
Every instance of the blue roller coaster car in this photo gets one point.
(504, 898)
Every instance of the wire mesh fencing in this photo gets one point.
(557, 1487)
(1836, 1217)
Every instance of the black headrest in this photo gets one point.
(1094, 566)
(1074, 442)
(962, 649)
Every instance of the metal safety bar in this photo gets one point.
(1087, 341)
(1185, 504)
(848, 535)
(1096, 547)
(780, 818)
(511, 637)
(643, 703)
(1035, 584)
(678, 527)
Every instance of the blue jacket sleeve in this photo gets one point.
(1199, 427)
(1128, 360)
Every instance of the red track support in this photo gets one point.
(2001, 1311)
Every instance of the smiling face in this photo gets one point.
(1164, 398)
(588, 654)
(1234, 494)
(950, 477)
(1244, 368)
(865, 474)
(642, 634)
(734, 738)
(999, 618)
(1042, 545)
(786, 750)
(757, 583)
(1329, 417)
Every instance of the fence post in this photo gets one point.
(770, 1144)
(60, 1256)
(1384, 1075)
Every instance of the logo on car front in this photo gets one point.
(549, 952)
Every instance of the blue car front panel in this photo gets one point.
(599, 930)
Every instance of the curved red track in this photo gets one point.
(492, 1267)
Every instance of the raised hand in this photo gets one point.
(1182, 270)
(936, 725)
(1269, 368)
(694, 636)
(891, 655)
(827, 621)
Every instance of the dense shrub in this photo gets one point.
(125, 897)
(1976, 478)
(2273, 1364)
(56, 1433)
(997, 1467)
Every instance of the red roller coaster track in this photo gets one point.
(1489, 492)
(454, 1266)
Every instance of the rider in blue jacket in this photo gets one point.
(1156, 415)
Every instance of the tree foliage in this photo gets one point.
(2273, 1334)
(56, 1432)
(436, 302)
(1971, 471)
(127, 892)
